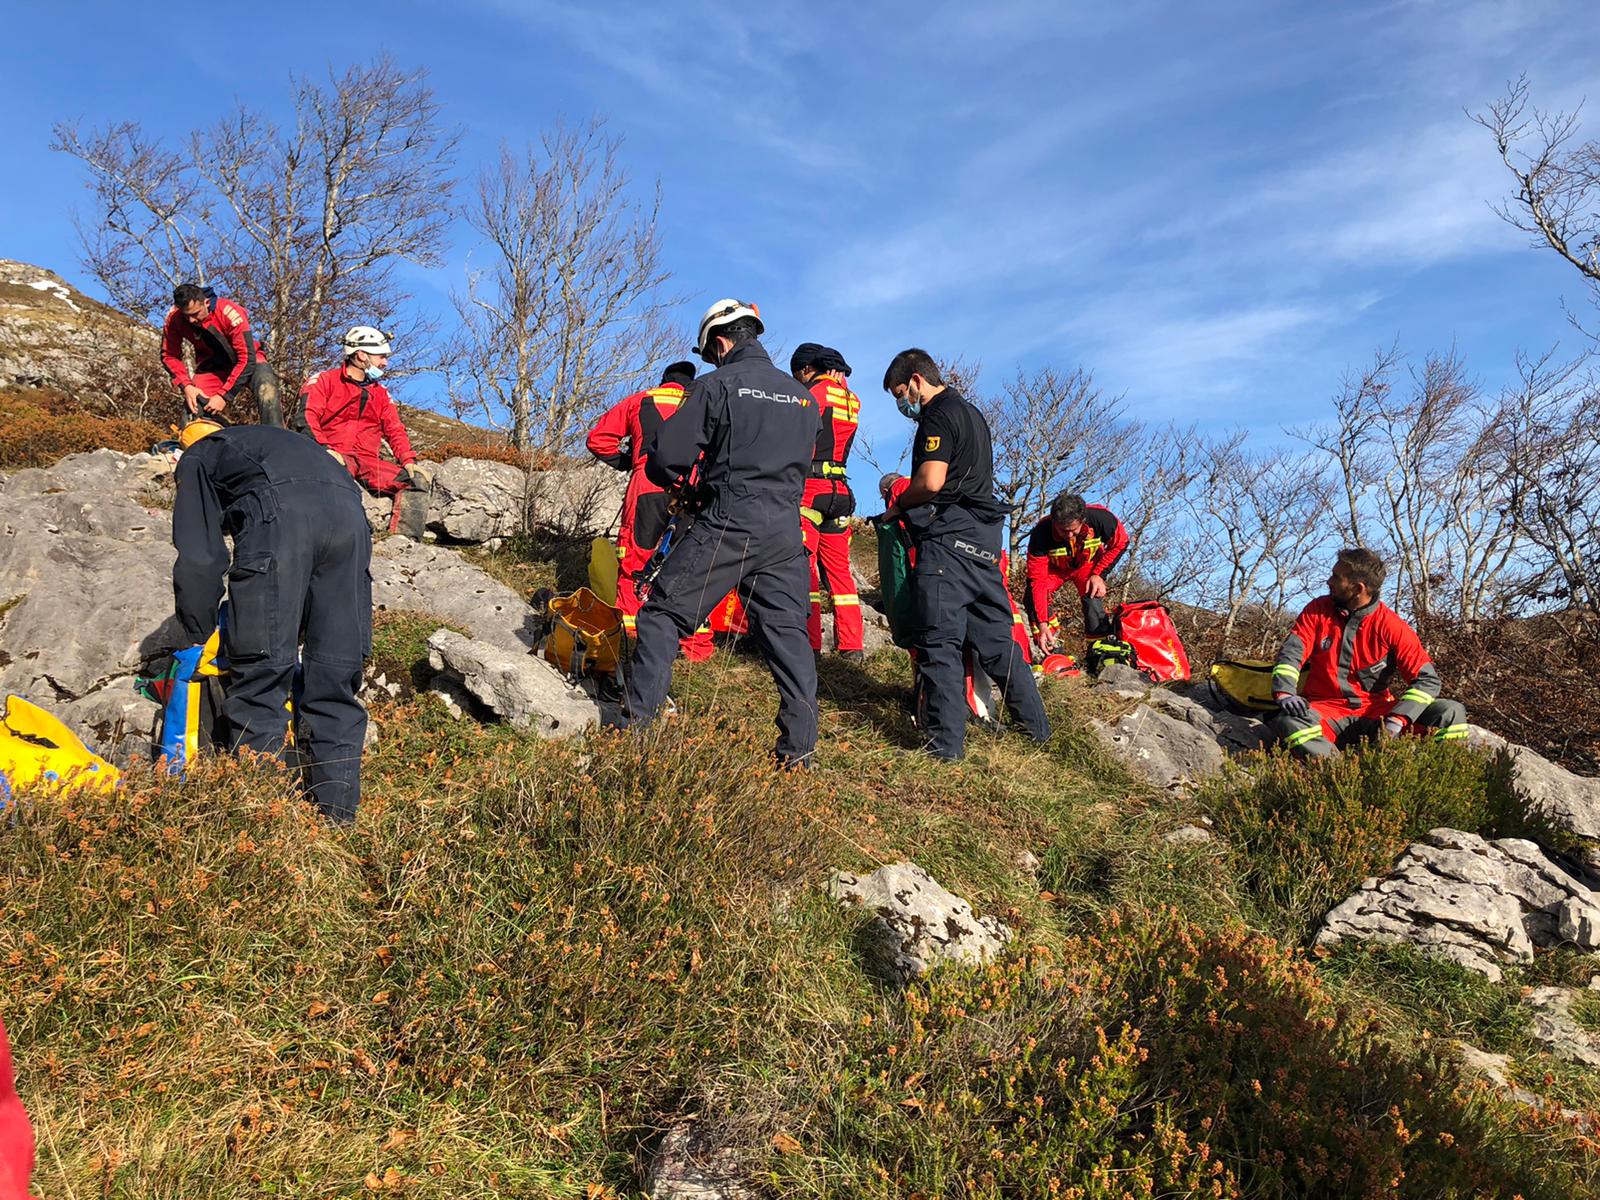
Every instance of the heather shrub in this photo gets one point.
(1306, 834)
(38, 429)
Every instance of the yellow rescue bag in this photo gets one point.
(585, 637)
(37, 748)
(1243, 684)
(603, 569)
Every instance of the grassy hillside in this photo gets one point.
(528, 959)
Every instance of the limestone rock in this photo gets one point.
(379, 510)
(1578, 922)
(918, 923)
(522, 690)
(1553, 1025)
(1495, 1069)
(690, 1165)
(1171, 753)
(575, 500)
(414, 577)
(475, 500)
(1188, 835)
(1571, 801)
(1478, 902)
(1119, 677)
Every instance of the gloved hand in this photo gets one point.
(1294, 706)
(421, 475)
(1393, 726)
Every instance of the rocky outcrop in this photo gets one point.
(1571, 802)
(524, 691)
(53, 336)
(917, 923)
(1554, 1025)
(475, 500)
(575, 500)
(691, 1164)
(1175, 737)
(1480, 903)
(86, 592)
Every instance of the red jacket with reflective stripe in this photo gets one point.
(340, 420)
(1052, 559)
(222, 343)
(16, 1135)
(841, 416)
(1353, 657)
(622, 437)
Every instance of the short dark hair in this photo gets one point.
(1363, 566)
(908, 363)
(742, 330)
(678, 372)
(187, 293)
(1068, 507)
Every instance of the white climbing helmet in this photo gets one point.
(368, 339)
(725, 312)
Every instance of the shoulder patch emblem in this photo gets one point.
(930, 445)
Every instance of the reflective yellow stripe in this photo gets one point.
(1417, 694)
(1450, 733)
(1092, 544)
(1062, 553)
(1016, 618)
(833, 470)
(850, 601)
(811, 515)
(1301, 736)
(1286, 671)
(816, 597)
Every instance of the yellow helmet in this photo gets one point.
(195, 430)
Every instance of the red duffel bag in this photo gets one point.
(1147, 626)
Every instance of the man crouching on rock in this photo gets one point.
(298, 587)
(1332, 677)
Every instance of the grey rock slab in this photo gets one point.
(1478, 902)
(1117, 677)
(521, 690)
(1578, 922)
(918, 923)
(1171, 753)
(412, 576)
(1554, 1026)
(690, 1165)
(575, 500)
(1188, 835)
(475, 500)
(1570, 800)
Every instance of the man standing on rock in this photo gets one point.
(227, 361)
(829, 502)
(955, 523)
(754, 430)
(620, 439)
(1333, 675)
(350, 412)
(1077, 543)
(298, 588)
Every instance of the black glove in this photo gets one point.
(1294, 706)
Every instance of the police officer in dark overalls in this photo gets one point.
(753, 430)
(298, 577)
(958, 597)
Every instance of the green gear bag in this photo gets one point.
(894, 579)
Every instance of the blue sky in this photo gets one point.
(1216, 213)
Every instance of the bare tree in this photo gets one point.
(1152, 503)
(1558, 178)
(306, 227)
(1054, 431)
(1545, 440)
(569, 311)
(1348, 440)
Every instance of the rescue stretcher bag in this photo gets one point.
(585, 636)
(1243, 685)
(894, 581)
(188, 686)
(36, 748)
(1158, 651)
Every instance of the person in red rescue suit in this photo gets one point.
(16, 1135)
(227, 362)
(1077, 542)
(1332, 678)
(621, 438)
(828, 503)
(347, 410)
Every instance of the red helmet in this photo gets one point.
(1059, 664)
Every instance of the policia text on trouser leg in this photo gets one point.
(959, 602)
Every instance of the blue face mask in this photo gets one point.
(374, 372)
(908, 410)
